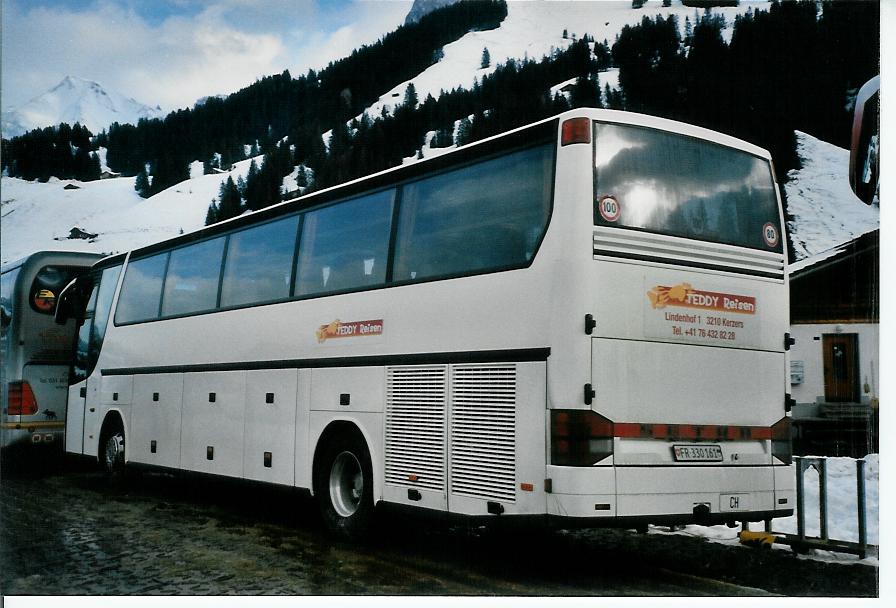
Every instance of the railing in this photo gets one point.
(800, 541)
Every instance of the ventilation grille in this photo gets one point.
(632, 244)
(483, 433)
(415, 426)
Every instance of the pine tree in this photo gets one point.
(486, 58)
(211, 216)
(230, 203)
(410, 96)
(142, 184)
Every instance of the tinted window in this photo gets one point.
(82, 364)
(672, 184)
(49, 281)
(259, 261)
(346, 245)
(191, 283)
(141, 290)
(108, 281)
(485, 216)
(7, 286)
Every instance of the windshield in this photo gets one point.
(673, 184)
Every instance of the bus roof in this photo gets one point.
(530, 134)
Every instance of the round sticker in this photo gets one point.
(770, 234)
(609, 208)
(44, 300)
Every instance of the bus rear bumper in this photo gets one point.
(671, 495)
(18, 434)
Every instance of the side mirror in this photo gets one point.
(864, 152)
(71, 301)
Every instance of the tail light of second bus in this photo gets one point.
(21, 401)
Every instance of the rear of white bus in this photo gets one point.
(684, 419)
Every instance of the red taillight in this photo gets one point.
(580, 438)
(21, 401)
(575, 131)
(782, 446)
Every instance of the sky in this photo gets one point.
(172, 52)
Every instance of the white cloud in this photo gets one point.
(173, 62)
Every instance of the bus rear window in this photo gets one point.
(50, 280)
(662, 182)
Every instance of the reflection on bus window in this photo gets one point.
(141, 290)
(345, 246)
(673, 184)
(259, 261)
(81, 365)
(191, 283)
(485, 216)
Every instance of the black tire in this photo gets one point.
(112, 453)
(343, 486)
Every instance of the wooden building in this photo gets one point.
(835, 362)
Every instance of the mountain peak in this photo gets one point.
(424, 7)
(76, 99)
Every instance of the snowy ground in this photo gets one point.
(826, 213)
(842, 511)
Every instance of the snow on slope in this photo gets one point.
(825, 211)
(33, 215)
(533, 29)
(76, 100)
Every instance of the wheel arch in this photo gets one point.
(112, 420)
(336, 428)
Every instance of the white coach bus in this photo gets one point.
(34, 352)
(582, 319)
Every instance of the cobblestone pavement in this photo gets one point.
(67, 530)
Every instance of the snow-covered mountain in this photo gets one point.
(76, 100)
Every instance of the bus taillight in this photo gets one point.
(580, 438)
(782, 446)
(21, 401)
(575, 131)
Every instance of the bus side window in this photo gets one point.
(345, 246)
(141, 290)
(258, 265)
(477, 218)
(191, 282)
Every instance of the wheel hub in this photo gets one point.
(346, 484)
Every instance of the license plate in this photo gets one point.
(697, 453)
(734, 502)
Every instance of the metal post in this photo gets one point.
(800, 514)
(860, 499)
(822, 466)
(768, 526)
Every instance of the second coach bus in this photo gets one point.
(581, 319)
(35, 353)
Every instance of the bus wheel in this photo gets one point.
(113, 453)
(344, 486)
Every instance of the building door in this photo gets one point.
(841, 368)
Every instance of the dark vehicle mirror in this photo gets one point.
(864, 153)
(72, 300)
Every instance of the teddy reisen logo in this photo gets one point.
(685, 296)
(350, 329)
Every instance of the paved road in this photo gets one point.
(65, 530)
